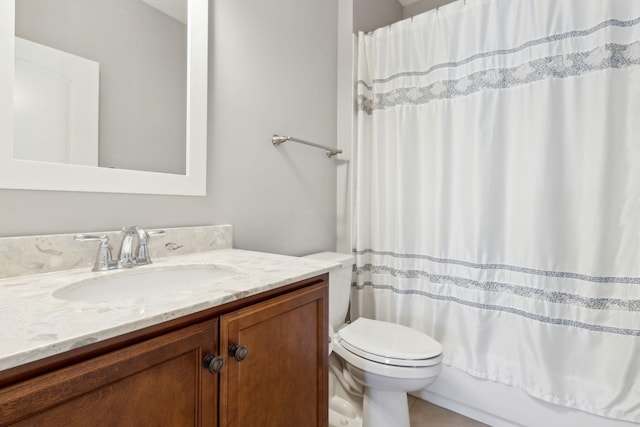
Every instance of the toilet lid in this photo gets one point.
(389, 343)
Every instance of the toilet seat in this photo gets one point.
(389, 343)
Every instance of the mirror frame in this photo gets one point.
(34, 175)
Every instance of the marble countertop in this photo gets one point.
(34, 324)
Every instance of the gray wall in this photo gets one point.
(422, 6)
(371, 14)
(143, 75)
(272, 69)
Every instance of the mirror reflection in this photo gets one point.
(102, 83)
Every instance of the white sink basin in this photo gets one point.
(132, 284)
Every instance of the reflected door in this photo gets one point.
(56, 100)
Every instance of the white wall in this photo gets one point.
(272, 69)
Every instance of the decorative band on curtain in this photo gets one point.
(497, 192)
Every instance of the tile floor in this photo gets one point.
(425, 414)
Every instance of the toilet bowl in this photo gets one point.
(382, 361)
(389, 360)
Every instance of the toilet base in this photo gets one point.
(394, 410)
(345, 407)
(342, 414)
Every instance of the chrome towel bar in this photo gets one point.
(277, 140)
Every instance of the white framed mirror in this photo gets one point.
(42, 171)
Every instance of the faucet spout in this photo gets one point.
(142, 252)
(126, 259)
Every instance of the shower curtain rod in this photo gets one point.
(277, 140)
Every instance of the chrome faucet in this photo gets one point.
(126, 259)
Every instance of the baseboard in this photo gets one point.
(463, 409)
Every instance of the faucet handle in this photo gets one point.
(90, 237)
(152, 233)
(104, 260)
(142, 256)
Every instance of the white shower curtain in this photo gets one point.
(497, 192)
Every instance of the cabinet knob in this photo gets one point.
(239, 352)
(213, 363)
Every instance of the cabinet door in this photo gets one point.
(283, 379)
(159, 382)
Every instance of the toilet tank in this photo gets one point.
(339, 285)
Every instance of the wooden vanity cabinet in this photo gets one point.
(278, 376)
(162, 381)
(153, 383)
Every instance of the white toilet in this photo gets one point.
(381, 361)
